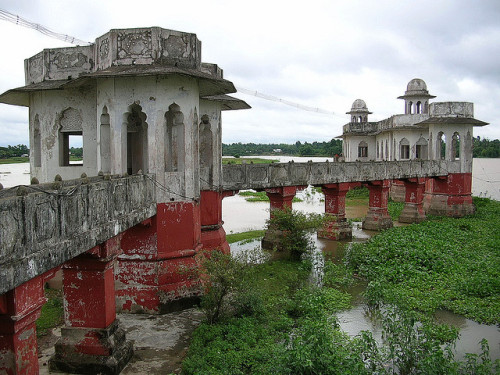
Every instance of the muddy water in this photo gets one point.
(240, 215)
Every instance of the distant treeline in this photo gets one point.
(484, 148)
(332, 148)
(13, 151)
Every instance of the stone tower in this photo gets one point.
(137, 101)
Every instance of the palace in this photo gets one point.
(426, 131)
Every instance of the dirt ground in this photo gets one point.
(160, 342)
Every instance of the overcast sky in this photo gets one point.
(322, 54)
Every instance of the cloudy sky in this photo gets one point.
(322, 54)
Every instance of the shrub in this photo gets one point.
(295, 227)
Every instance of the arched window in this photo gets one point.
(421, 149)
(378, 150)
(137, 140)
(105, 141)
(36, 149)
(174, 139)
(455, 146)
(386, 151)
(441, 146)
(362, 149)
(418, 107)
(70, 135)
(404, 149)
(410, 108)
(360, 118)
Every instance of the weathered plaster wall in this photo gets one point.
(210, 152)
(48, 107)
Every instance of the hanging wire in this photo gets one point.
(7, 16)
(284, 101)
(160, 186)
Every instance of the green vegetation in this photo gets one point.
(269, 318)
(329, 149)
(238, 160)
(259, 196)
(13, 151)
(244, 236)
(52, 312)
(293, 228)
(442, 263)
(484, 148)
(15, 159)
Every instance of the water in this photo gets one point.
(239, 216)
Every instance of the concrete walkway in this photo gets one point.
(160, 342)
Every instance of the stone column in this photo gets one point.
(413, 211)
(92, 340)
(378, 217)
(397, 191)
(280, 198)
(19, 310)
(337, 228)
(213, 235)
(449, 195)
(153, 270)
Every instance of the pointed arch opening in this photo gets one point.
(441, 146)
(418, 107)
(36, 149)
(363, 149)
(137, 139)
(455, 146)
(70, 137)
(105, 141)
(174, 139)
(404, 149)
(421, 149)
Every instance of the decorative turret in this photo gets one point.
(416, 97)
(359, 112)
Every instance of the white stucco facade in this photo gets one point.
(426, 131)
(136, 100)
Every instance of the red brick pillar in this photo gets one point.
(413, 211)
(280, 198)
(92, 340)
(157, 254)
(213, 235)
(19, 310)
(449, 195)
(337, 228)
(397, 191)
(378, 217)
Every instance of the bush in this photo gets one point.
(295, 227)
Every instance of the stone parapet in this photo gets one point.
(43, 226)
(263, 176)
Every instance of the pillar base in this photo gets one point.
(92, 350)
(377, 219)
(272, 240)
(412, 213)
(214, 238)
(157, 286)
(336, 230)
